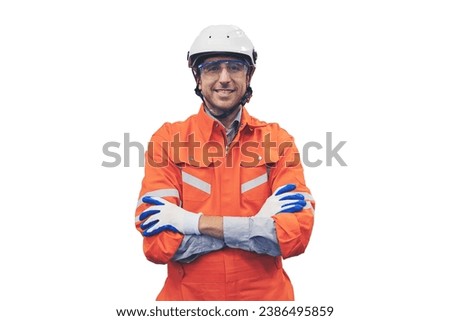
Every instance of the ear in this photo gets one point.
(197, 77)
(249, 78)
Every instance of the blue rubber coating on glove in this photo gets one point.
(300, 203)
(297, 196)
(290, 204)
(160, 229)
(150, 200)
(286, 188)
(296, 208)
(146, 214)
(148, 225)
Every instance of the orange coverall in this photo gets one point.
(188, 163)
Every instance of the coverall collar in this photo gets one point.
(234, 127)
(233, 123)
(206, 123)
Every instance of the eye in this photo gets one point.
(213, 67)
(235, 66)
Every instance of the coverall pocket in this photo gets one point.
(196, 183)
(255, 183)
(255, 175)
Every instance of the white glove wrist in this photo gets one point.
(190, 223)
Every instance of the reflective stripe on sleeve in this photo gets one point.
(164, 192)
(254, 183)
(196, 182)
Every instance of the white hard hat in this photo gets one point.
(221, 39)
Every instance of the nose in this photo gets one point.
(224, 76)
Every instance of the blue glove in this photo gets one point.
(166, 216)
(282, 201)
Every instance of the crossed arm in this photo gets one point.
(256, 233)
(168, 237)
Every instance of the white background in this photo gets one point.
(77, 74)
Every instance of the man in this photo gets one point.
(223, 198)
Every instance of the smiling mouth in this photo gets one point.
(225, 91)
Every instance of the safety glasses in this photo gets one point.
(214, 68)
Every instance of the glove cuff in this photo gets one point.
(191, 224)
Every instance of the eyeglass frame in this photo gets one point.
(220, 62)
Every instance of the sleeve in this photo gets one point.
(283, 234)
(293, 230)
(162, 178)
(194, 246)
(255, 234)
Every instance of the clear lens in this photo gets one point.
(214, 68)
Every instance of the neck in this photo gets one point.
(225, 118)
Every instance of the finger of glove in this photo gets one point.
(292, 202)
(302, 203)
(284, 189)
(144, 215)
(291, 209)
(149, 223)
(292, 196)
(154, 200)
(152, 218)
(158, 229)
